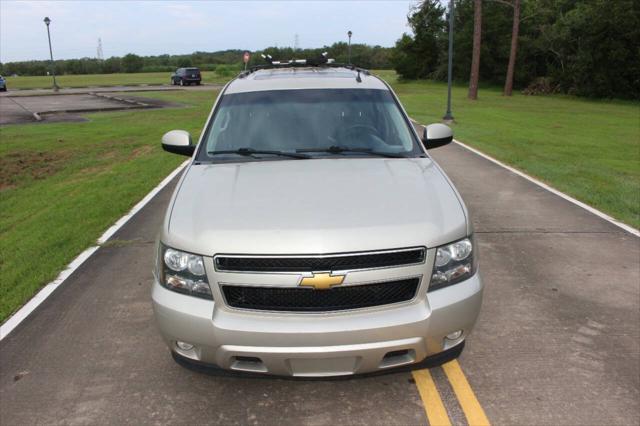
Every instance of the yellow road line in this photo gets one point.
(433, 405)
(467, 399)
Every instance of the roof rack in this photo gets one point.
(321, 62)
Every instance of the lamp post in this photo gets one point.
(47, 21)
(448, 115)
(349, 34)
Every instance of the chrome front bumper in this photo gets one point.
(317, 344)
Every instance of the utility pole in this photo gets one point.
(349, 34)
(100, 55)
(47, 21)
(449, 116)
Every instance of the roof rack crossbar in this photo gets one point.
(321, 61)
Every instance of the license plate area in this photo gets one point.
(319, 367)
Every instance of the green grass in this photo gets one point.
(45, 82)
(587, 149)
(64, 184)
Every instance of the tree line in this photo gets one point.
(224, 62)
(582, 47)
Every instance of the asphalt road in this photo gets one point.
(558, 340)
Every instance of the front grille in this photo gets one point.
(298, 299)
(320, 263)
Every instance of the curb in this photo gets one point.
(133, 105)
(130, 101)
(86, 110)
(21, 314)
(593, 210)
(551, 189)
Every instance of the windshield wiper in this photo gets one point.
(335, 149)
(251, 151)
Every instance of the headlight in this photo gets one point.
(183, 273)
(454, 263)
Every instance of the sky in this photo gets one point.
(180, 27)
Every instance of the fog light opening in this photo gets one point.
(454, 335)
(184, 345)
(396, 358)
(248, 363)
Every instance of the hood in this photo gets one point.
(313, 207)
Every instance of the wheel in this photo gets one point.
(173, 82)
(197, 83)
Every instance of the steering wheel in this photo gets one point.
(347, 133)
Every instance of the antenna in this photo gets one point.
(100, 55)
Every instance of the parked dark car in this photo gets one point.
(3, 84)
(186, 76)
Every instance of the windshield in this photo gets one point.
(335, 122)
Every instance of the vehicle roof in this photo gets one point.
(304, 78)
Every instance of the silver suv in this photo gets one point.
(311, 234)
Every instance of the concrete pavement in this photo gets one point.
(98, 89)
(558, 340)
(68, 105)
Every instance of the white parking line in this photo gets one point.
(47, 290)
(587, 207)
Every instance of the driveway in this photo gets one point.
(558, 340)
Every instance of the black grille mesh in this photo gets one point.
(317, 264)
(300, 299)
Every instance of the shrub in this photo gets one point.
(132, 63)
(227, 70)
(157, 68)
(541, 86)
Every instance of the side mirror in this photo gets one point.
(178, 142)
(436, 135)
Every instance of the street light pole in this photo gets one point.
(47, 21)
(349, 34)
(449, 116)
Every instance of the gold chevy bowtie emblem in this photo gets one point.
(322, 281)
